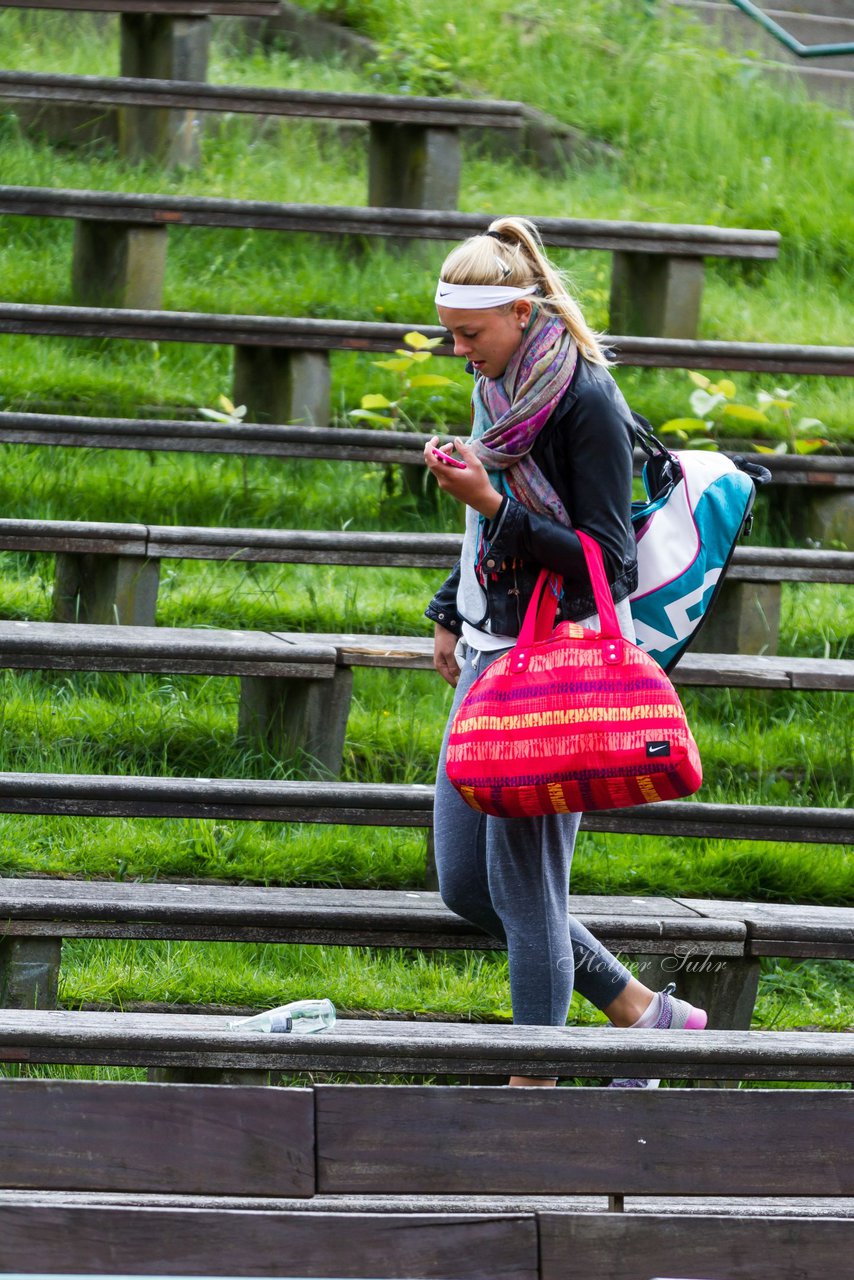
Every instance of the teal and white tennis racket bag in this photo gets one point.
(698, 505)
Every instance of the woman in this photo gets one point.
(551, 450)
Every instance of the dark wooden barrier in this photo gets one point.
(403, 1182)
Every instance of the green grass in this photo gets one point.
(693, 140)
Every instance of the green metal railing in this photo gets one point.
(786, 38)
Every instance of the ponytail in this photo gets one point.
(511, 253)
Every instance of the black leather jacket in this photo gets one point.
(585, 451)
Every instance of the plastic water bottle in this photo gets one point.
(301, 1016)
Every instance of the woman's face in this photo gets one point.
(490, 337)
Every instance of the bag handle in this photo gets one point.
(538, 622)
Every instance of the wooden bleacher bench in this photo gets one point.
(151, 209)
(711, 948)
(304, 334)
(415, 147)
(748, 1183)
(386, 805)
(347, 547)
(194, 1041)
(673, 252)
(337, 444)
(296, 687)
(281, 363)
(138, 91)
(108, 573)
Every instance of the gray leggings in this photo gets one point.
(511, 877)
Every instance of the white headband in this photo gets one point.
(478, 297)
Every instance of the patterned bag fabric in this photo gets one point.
(571, 720)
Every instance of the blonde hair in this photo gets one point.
(511, 253)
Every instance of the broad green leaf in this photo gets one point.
(396, 366)
(365, 415)
(810, 446)
(420, 341)
(416, 357)
(376, 402)
(762, 397)
(808, 424)
(726, 388)
(705, 442)
(684, 426)
(214, 415)
(430, 380)
(225, 403)
(743, 413)
(778, 448)
(698, 379)
(704, 404)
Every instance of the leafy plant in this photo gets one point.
(227, 413)
(414, 62)
(408, 365)
(715, 408)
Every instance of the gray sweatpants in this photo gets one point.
(510, 876)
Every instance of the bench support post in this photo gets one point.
(118, 266)
(413, 167)
(105, 589)
(822, 514)
(655, 296)
(284, 716)
(281, 385)
(29, 972)
(157, 46)
(745, 618)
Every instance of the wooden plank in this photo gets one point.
(628, 1246)
(77, 536)
(726, 670)
(304, 546)
(445, 224)
(338, 917)
(354, 335)
(215, 1140)
(583, 1141)
(346, 444)
(779, 929)
(199, 1242)
(201, 96)
(423, 1048)
(760, 564)
(384, 804)
(89, 647)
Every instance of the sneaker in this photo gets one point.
(673, 1015)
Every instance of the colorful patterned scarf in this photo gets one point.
(509, 412)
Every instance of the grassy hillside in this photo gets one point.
(691, 137)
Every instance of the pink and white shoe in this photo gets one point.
(673, 1015)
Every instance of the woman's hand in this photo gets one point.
(444, 644)
(469, 485)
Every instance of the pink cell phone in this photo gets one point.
(446, 457)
